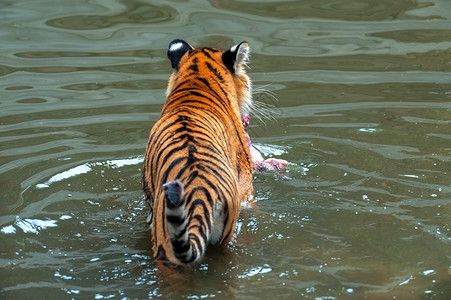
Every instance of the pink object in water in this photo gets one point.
(271, 164)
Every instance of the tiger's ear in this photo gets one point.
(177, 48)
(236, 56)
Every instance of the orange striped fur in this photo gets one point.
(197, 168)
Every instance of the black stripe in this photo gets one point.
(190, 213)
(195, 238)
(201, 234)
(208, 85)
(176, 220)
(207, 54)
(193, 67)
(168, 170)
(224, 235)
(223, 175)
(191, 159)
(206, 192)
(157, 157)
(198, 93)
(160, 135)
(180, 246)
(214, 71)
(161, 253)
(202, 229)
(197, 88)
(214, 114)
(192, 257)
(224, 105)
(213, 50)
(217, 190)
(182, 172)
(170, 153)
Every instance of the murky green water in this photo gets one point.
(363, 115)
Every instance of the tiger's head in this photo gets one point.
(223, 68)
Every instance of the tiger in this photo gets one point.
(197, 169)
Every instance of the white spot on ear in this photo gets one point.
(175, 46)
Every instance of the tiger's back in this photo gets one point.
(197, 168)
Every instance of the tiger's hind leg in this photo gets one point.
(218, 224)
(184, 250)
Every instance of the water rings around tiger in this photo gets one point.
(363, 115)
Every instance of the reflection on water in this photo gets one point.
(85, 168)
(363, 116)
(348, 10)
(134, 13)
(31, 225)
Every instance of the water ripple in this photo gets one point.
(363, 117)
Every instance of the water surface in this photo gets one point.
(363, 114)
